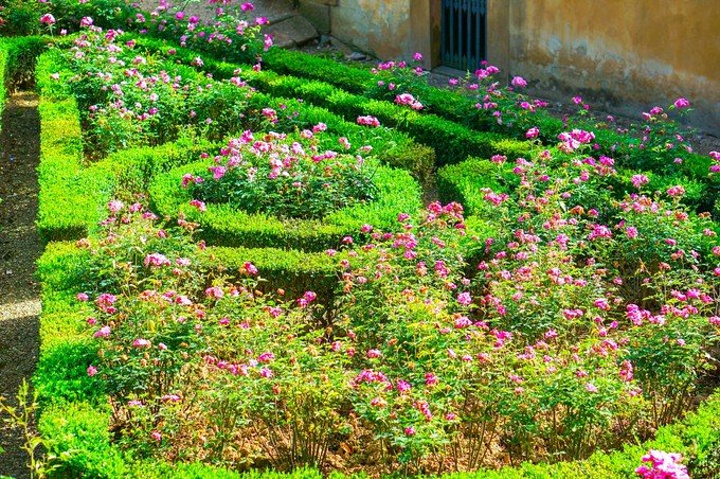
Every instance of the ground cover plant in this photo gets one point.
(558, 304)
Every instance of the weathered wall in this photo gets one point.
(628, 54)
(380, 27)
(622, 55)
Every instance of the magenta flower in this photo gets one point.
(681, 103)
(662, 465)
(368, 120)
(676, 191)
(86, 22)
(266, 357)
(247, 7)
(410, 431)
(141, 343)
(518, 82)
(464, 298)
(47, 19)
(533, 132)
(103, 332)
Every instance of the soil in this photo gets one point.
(19, 249)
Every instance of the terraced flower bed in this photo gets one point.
(241, 277)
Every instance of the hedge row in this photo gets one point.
(452, 142)
(463, 182)
(224, 225)
(451, 117)
(357, 79)
(75, 415)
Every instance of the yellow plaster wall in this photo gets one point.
(628, 54)
(380, 27)
(623, 55)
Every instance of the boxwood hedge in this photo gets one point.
(226, 226)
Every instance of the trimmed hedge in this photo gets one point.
(226, 226)
(450, 122)
(63, 212)
(452, 142)
(292, 271)
(463, 182)
(391, 147)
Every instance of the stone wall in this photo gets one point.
(621, 55)
(625, 55)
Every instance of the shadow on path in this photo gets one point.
(19, 249)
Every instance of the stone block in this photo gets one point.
(293, 31)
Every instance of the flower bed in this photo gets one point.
(573, 312)
(229, 225)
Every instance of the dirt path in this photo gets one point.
(19, 249)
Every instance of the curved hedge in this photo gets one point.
(226, 226)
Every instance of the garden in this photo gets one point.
(266, 263)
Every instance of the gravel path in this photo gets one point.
(19, 249)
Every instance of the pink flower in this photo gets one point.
(82, 297)
(410, 431)
(676, 191)
(409, 100)
(681, 103)
(266, 357)
(156, 260)
(417, 57)
(662, 465)
(214, 292)
(92, 370)
(156, 435)
(47, 19)
(518, 82)
(368, 120)
(103, 332)
(141, 343)
(590, 387)
(267, 42)
(374, 353)
(247, 7)
(198, 204)
(115, 206)
(533, 132)
(86, 22)
(250, 268)
(639, 180)
(464, 298)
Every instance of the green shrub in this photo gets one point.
(391, 147)
(463, 183)
(226, 226)
(292, 271)
(452, 142)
